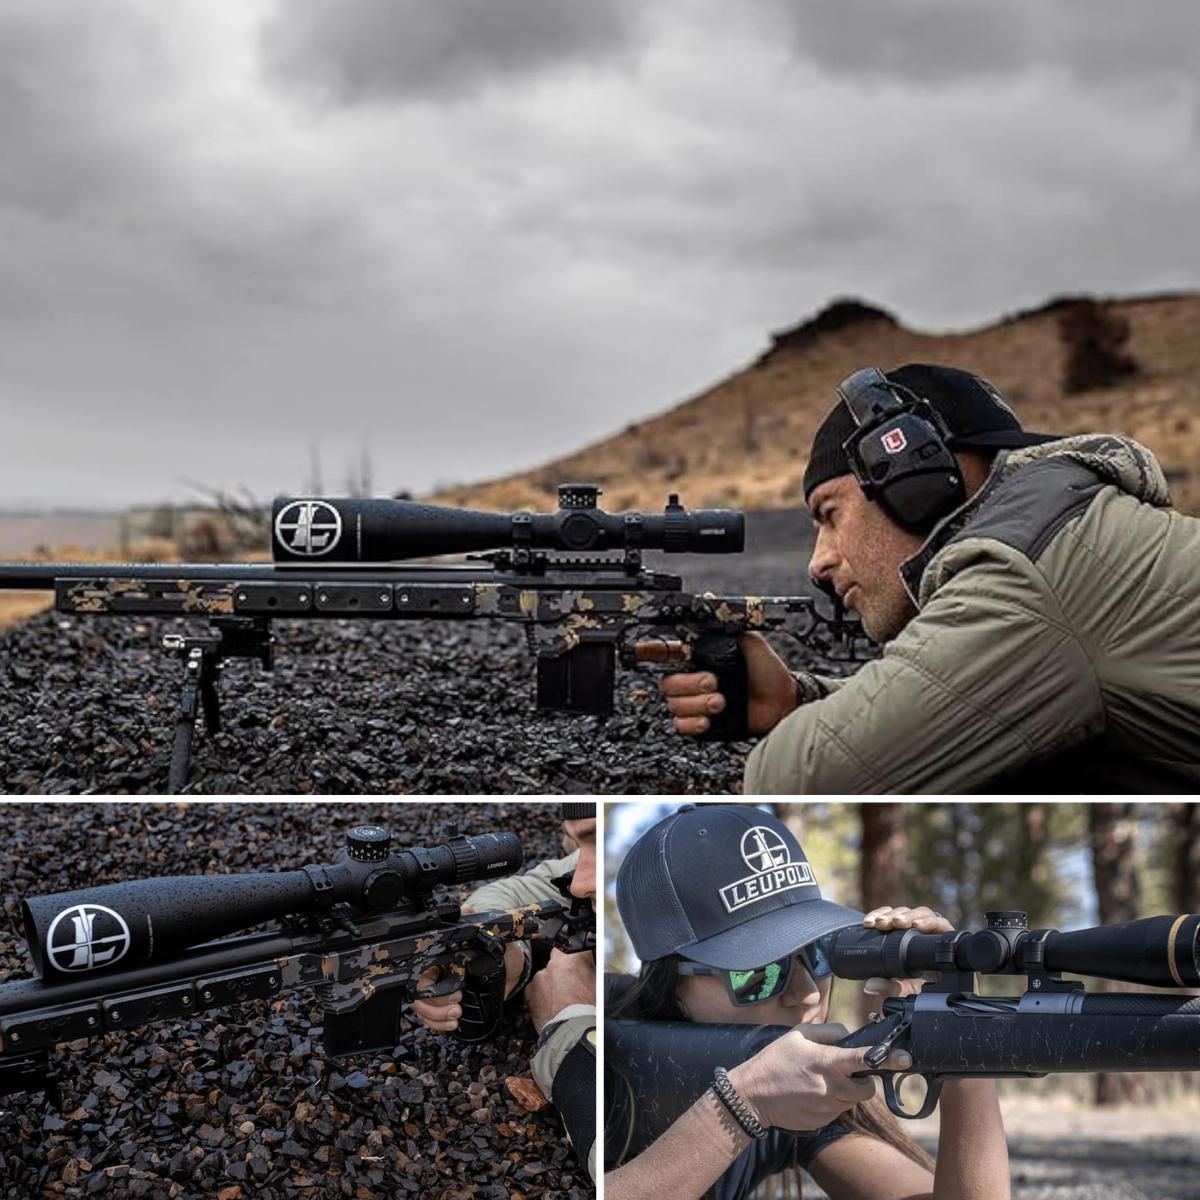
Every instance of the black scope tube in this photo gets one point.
(77, 933)
(1158, 951)
(74, 934)
(315, 530)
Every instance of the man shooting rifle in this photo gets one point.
(1037, 597)
(559, 989)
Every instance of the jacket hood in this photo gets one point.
(1118, 460)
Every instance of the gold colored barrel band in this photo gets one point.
(1171, 949)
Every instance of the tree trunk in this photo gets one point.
(1187, 858)
(1033, 841)
(881, 869)
(1119, 898)
(792, 815)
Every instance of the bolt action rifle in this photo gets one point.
(581, 611)
(950, 1030)
(360, 931)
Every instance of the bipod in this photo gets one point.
(204, 657)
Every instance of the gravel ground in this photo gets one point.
(242, 1102)
(87, 705)
(1062, 1151)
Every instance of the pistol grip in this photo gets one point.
(721, 654)
(482, 1000)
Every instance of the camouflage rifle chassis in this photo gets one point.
(580, 613)
(360, 931)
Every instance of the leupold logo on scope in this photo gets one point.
(86, 937)
(309, 527)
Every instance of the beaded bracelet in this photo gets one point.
(727, 1094)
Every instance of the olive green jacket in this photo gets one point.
(1058, 621)
(576, 1022)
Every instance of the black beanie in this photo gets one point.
(578, 811)
(975, 415)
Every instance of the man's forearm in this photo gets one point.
(686, 1160)
(972, 1158)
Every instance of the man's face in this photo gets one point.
(583, 833)
(859, 550)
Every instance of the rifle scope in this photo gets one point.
(1159, 951)
(346, 530)
(92, 929)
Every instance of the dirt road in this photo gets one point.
(1062, 1151)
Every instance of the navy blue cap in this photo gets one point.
(726, 885)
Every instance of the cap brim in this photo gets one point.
(772, 935)
(1004, 439)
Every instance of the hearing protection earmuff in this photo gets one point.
(900, 453)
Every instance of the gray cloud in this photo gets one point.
(203, 273)
(932, 43)
(380, 50)
(111, 199)
(67, 148)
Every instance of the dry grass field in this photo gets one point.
(1072, 366)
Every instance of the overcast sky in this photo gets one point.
(471, 235)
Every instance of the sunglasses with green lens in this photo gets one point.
(757, 984)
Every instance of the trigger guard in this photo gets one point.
(893, 1085)
(440, 988)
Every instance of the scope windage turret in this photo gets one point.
(125, 924)
(313, 530)
(1158, 951)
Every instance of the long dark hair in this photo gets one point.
(652, 997)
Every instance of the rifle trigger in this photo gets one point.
(878, 1053)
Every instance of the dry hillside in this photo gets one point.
(1075, 365)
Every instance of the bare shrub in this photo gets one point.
(1095, 338)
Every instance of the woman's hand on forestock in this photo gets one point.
(803, 1080)
(885, 919)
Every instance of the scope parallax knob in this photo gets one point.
(991, 949)
(987, 951)
(382, 890)
(368, 843)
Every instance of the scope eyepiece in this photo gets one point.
(460, 860)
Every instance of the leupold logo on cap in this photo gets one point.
(766, 853)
